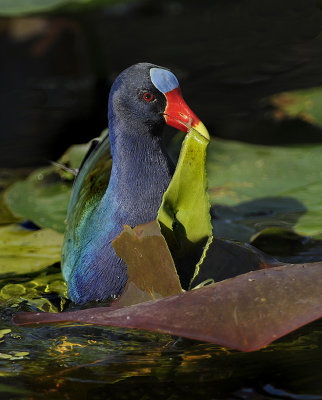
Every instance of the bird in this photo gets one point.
(125, 187)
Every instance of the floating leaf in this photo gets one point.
(4, 332)
(16, 355)
(245, 313)
(24, 251)
(45, 292)
(6, 216)
(304, 104)
(150, 268)
(254, 187)
(74, 155)
(7, 178)
(44, 196)
(21, 7)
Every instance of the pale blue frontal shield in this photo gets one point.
(163, 80)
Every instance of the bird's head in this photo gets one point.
(151, 94)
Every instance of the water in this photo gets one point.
(228, 56)
(88, 362)
(85, 362)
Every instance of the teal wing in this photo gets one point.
(88, 189)
(93, 176)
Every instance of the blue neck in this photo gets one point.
(141, 170)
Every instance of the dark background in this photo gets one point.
(229, 55)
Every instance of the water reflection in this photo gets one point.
(86, 359)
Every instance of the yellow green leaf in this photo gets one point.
(24, 251)
(184, 215)
(4, 332)
(305, 104)
(6, 216)
(32, 292)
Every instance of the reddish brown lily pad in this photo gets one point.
(245, 313)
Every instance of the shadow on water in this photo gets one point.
(256, 215)
(269, 224)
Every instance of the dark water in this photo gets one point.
(86, 362)
(229, 55)
(89, 362)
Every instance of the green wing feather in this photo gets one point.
(88, 189)
(92, 178)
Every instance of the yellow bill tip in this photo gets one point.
(200, 127)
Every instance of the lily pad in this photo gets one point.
(74, 155)
(44, 196)
(7, 178)
(150, 268)
(6, 216)
(254, 187)
(303, 104)
(24, 251)
(44, 292)
(10, 8)
(4, 332)
(245, 313)
(14, 356)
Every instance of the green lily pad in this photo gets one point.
(303, 104)
(6, 216)
(254, 187)
(24, 251)
(14, 356)
(44, 196)
(37, 292)
(10, 8)
(4, 332)
(74, 155)
(7, 178)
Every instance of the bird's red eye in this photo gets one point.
(147, 96)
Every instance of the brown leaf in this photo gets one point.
(245, 313)
(150, 268)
